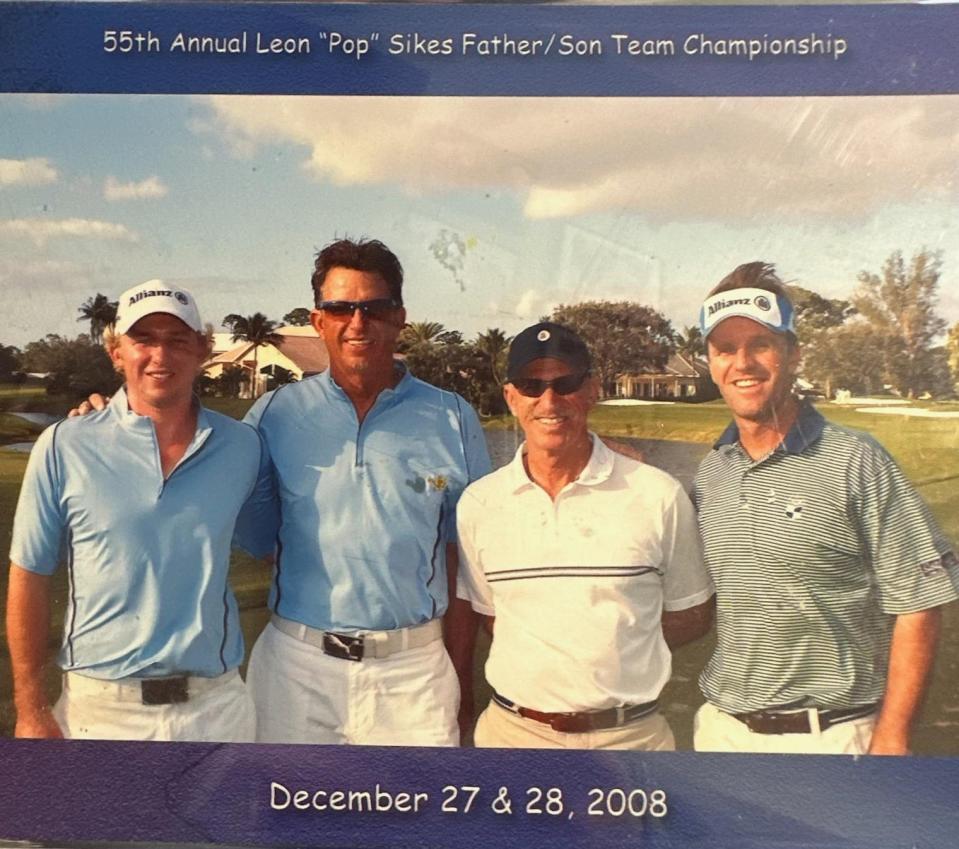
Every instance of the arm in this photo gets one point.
(28, 623)
(684, 626)
(459, 633)
(911, 655)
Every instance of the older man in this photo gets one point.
(588, 562)
(829, 569)
(140, 502)
(369, 464)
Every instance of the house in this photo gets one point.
(299, 353)
(683, 378)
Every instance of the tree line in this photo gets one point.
(886, 334)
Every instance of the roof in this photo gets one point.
(679, 365)
(307, 352)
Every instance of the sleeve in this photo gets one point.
(914, 565)
(476, 457)
(471, 583)
(258, 523)
(686, 582)
(39, 526)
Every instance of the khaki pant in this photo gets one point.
(716, 731)
(503, 729)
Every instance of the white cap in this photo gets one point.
(156, 296)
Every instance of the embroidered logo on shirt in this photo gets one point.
(438, 482)
(794, 509)
(938, 564)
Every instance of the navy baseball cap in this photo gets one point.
(546, 339)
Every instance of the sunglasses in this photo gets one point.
(533, 387)
(378, 309)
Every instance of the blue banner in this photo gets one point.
(319, 796)
(300, 48)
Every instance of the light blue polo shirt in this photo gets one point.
(366, 510)
(147, 558)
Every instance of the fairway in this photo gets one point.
(926, 448)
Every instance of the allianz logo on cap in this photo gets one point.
(760, 302)
(155, 293)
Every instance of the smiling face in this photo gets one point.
(159, 358)
(553, 423)
(754, 369)
(359, 346)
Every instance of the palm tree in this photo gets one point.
(493, 345)
(689, 343)
(418, 333)
(101, 312)
(256, 329)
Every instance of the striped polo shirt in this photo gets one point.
(814, 550)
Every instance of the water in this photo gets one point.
(43, 419)
(680, 459)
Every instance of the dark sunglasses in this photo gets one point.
(378, 309)
(533, 387)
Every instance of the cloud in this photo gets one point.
(151, 187)
(26, 172)
(666, 158)
(41, 230)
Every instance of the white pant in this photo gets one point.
(500, 728)
(219, 710)
(716, 731)
(302, 695)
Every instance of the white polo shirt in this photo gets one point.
(578, 585)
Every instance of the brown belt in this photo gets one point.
(580, 723)
(800, 720)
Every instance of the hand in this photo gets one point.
(38, 724)
(465, 720)
(94, 403)
(888, 743)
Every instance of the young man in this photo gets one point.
(369, 463)
(139, 501)
(589, 563)
(830, 571)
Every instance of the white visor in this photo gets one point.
(767, 308)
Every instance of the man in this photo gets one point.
(589, 563)
(830, 571)
(140, 500)
(369, 463)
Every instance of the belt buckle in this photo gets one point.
(343, 646)
(164, 691)
(571, 723)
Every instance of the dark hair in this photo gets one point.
(368, 255)
(752, 275)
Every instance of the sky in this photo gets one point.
(529, 202)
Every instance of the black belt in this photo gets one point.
(798, 720)
(580, 723)
(164, 691)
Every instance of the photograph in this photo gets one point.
(352, 439)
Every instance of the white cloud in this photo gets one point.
(26, 172)
(42, 230)
(151, 187)
(688, 158)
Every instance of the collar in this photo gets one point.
(403, 385)
(597, 470)
(807, 428)
(119, 408)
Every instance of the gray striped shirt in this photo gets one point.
(814, 550)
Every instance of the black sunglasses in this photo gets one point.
(533, 387)
(378, 309)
